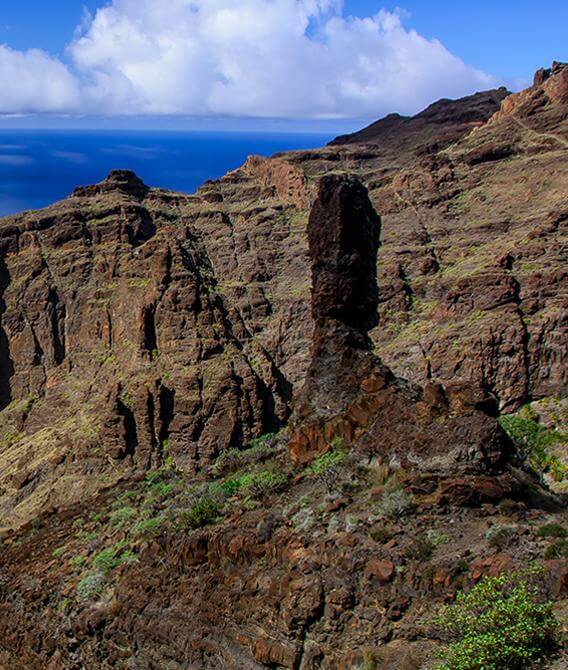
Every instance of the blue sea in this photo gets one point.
(40, 167)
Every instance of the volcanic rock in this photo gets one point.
(349, 393)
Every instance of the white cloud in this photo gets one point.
(32, 81)
(260, 58)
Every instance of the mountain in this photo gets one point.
(438, 125)
(386, 296)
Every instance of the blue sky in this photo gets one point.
(108, 70)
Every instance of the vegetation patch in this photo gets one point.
(503, 623)
(394, 504)
(204, 512)
(552, 530)
(558, 549)
(534, 442)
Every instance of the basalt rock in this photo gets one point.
(349, 393)
(136, 321)
(115, 346)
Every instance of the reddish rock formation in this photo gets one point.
(349, 393)
(116, 345)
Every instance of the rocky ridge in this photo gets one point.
(147, 338)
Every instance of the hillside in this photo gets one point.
(387, 296)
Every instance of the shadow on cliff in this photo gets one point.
(6, 364)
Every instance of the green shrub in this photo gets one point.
(204, 512)
(220, 491)
(164, 474)
(326, 468)
(501, 624)
(558, 549)
(230, 460)
(120, 517)
(262, 483)
(436, 537)
(394, 504)
(149, 527)
(78, 562)
(264, 443)
(250, 484)
(499, 537)
(111, 557)
(91, 586)
(87, 538)
(534, 440)
(552, 530)
(106, 560)
(127, 556)
(162, 489)
(325, 461)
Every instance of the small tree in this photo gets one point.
(326, 469)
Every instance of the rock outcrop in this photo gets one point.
(349, 393)
(116, 345)
(439, 124)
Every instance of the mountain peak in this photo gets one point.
(123, 181)
(454, 117)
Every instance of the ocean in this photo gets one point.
(40, 167)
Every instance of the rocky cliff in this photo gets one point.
(133, 318)
(378, 301)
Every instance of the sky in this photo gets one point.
(318, 64)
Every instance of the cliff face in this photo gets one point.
(117, 345)
(135, 322)
(252, 563)
(144, 334)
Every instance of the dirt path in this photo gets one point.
(550, 136)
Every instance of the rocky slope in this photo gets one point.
(147, 337)
(132, 317)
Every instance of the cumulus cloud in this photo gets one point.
(259, 58)
(33, 81)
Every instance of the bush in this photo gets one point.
(558, 549)
(436, 537)
(233, 459)
(149, 527)
(106, 560)
(499, 537)
(552, 530)
(260, 484)
(420, 549)
(204, 512)
(77, 562)
(501, 624)
(533, 441)
(90, 586)
(326, 468)
(120, 517)
(394, 504)
(111, 557)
